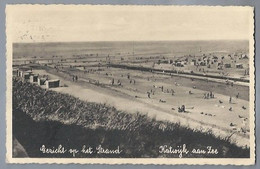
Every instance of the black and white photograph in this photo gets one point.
(130, 84)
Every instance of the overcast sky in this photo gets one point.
(58, 23)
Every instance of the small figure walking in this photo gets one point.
(113, 81)
(149, 95)
(210, 94)
(183, 108)
(207, 95)
(172, 92)
(237, 95)
(230, 99)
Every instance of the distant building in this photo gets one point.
(164, 61)
(179, 64)
(227, 65)
(239, 66)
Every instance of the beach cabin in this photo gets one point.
(193, 62)
(239, 66)
(22, 72)
(26, 75)
(33, 78)
(15, 72)
(41, 81)
(52, 83)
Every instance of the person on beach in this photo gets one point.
(172, 92)
(149, 95)
(230, 99)
(237, 95)
(113, 81)
(181, 109)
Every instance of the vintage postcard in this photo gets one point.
(104, 84)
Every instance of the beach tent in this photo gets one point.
(26, 75)
(52, 83)
(33, 78)
(22, 73)
(244, 56)
(41, 80)
(15, 72)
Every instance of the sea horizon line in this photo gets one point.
(132, 41)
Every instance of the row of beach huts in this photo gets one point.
(27, 75)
